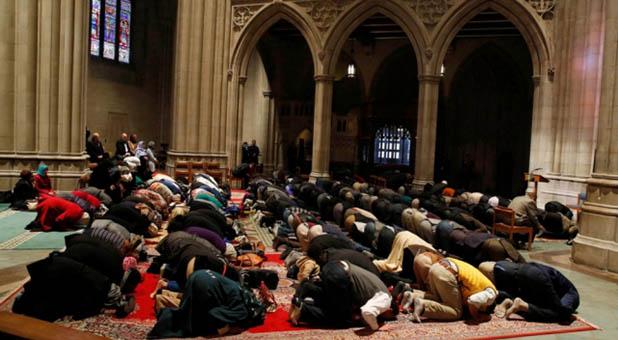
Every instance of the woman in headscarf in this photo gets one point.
(140, 150)
(24, 190)
(152, 160)
(42, 182)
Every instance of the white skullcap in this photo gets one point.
(493, 202)
(483, 298)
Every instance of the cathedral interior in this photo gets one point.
(480, 95)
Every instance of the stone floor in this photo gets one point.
(598, 290)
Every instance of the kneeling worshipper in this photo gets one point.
(61, 285)
(211, 303)
(344, 291)
(454, 284)
(532, 290)
(55, 213)
(42, 182)
(24, 191)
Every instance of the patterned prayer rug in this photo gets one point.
(277, 326)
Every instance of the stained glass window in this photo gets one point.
(110, 30)
(95, 19)
(124, 44)
(109, 41)
(392, 145)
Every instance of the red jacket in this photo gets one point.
(43, 184)
(86, 196)
(57, 213)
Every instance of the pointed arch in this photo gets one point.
(526, 20)
(402, 16)
(261, 22)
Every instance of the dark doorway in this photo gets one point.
(484, 126)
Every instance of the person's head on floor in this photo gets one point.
(124, 137)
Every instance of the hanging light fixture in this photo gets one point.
(351, 71)
(442, 70)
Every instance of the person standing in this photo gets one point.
(245, 153)
(122, 147)
(254, 153)
(95, 149)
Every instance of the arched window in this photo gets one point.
(392, 145)
(110, 29)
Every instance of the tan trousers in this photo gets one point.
(167, 298)
(443, 300)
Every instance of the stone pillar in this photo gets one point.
(46, 69)
(577, 85)
(429, 91)
(200, 96)
(597, 243)
(268, 153)
(321, 126)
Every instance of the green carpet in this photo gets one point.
(13, 234)
(4, 206)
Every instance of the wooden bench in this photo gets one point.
(187, 169)
(17, 326)
(504, 221)
(377, 181)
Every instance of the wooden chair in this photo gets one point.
(378, 181)
(17, 326)
(213, 170)
(578, 207)
(504, 221)
(233, 181)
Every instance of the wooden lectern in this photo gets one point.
(536, 179)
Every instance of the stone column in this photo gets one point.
(429, 91)
(577, 84)
(200, 96)
(597, 243)
(268, 153)
(321, 126)
(46, 69)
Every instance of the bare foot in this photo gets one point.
(519, 305)
(501, 308)
(407, 300)
(419, 308)
(160, 284)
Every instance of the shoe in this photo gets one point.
(126, 306)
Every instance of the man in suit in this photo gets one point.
(122, 147)
(95, 150)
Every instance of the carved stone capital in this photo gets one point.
(324, 77)
(429, 78)
(242, 80)
(542, 7)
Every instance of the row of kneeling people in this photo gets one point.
(359, 254)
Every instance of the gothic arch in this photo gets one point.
(261, 22)
(349, 21)
(526, 20)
